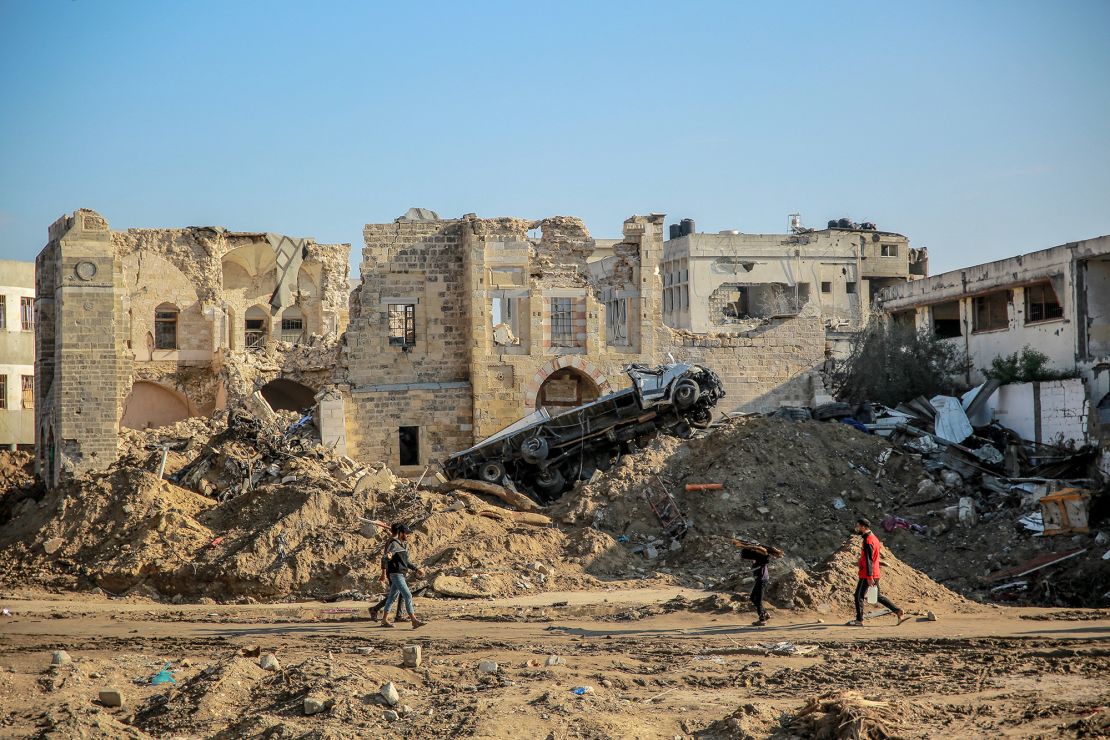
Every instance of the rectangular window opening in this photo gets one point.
(850, 287)
(408, 440)
(3, 391)
(888, 250)
(27, 313)
(27, 391)
(402, 324)
(616, 321)
(1041, 304)
(562, 322)
(826, 287)
(292, 330)
(165, 330)
(3, 311)
(990, 312)
(946, 320)
(255, 333)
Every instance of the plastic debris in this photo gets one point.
(582, 690)
(163, 676)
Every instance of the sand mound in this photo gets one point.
(833, 584)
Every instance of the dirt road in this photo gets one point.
(653, 670)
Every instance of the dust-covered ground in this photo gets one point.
(651, 666)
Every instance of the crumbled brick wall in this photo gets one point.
(374, 418)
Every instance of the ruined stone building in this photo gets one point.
(149, 326)
(455, 329)
(715, 281)
(17, 354)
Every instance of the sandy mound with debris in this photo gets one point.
(299, 532)
(832, 586)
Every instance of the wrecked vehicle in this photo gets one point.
(543, 455)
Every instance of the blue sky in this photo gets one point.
(978, 129)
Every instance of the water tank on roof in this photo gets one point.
(729, 232)
(867, 226)
(687, 226)
(844, 223)
(832, 223)
(676, 231)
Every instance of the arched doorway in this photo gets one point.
(566, 388)
(152, 405)
(288, 395)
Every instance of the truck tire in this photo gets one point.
(534, 450)
(686, 393)
(491, 471)
(549, 483)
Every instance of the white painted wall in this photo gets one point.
(1064, 410)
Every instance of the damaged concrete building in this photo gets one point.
(1055, 300)
(727, 279)
(145, 327)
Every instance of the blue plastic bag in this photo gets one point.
(163, 676)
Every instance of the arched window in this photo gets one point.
(165, 326)
(292, 325)
(256, 321)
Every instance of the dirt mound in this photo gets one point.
(831, 586)
(301, 530)
(17, 470)
(848, 716)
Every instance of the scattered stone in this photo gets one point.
(931, 617)
(60, 657)
(316, 704)
(390, 716)
(111, 697)
(487, 666)
(269, 662)
(411, 654)
(388, 692)
(406, 710)
(52, 545)
(364, 650)
(553, 660)
(651, 552)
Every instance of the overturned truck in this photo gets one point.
(543, 455)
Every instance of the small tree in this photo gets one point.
(890, 363)
(1028, 366)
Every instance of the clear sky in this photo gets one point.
(978, 129)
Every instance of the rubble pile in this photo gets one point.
(801, 485)
(16, 470)
(246, 511)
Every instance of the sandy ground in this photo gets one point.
(1005, 672)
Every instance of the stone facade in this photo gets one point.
(462, 326)
(148, 326)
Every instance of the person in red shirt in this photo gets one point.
(869, 573)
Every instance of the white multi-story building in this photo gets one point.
(17, 354)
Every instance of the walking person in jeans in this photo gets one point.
(869, 573)
(395, 564)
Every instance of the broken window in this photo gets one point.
(888, 250)
(905, 319)
(292, 325)
(826, 287)
(505, 320)
(616, 321)
(27, 391)
(3, 391)
(562, 322)
(990, 311)
(27, 313)
(165, 327)
(850, 287)
(946, 320)
(408, 440)
(402, 324)
(3, 311)
(1041, 304)
(254, 322)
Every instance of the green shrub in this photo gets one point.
(1027, 366)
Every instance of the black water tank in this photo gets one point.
(844, 223)
(832, 224)
(676, 231)
(687, 226)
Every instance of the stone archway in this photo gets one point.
(585, 372)
(153, 405)
(288, 395)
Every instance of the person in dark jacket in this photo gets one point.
(869, 573)
(760, 555)
(395, 564)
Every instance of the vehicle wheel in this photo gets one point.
(686, 393)
(682, 430)
(701, 419)
(549, 483)
(491, 472)
(534, 450)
